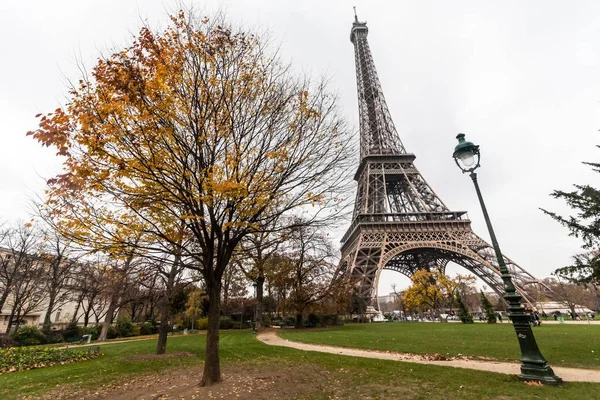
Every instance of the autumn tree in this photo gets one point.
(193, 305)
(311, 267)
(200, 124)
(424, 291)
(279, 281)
(336, 301)
(433, 290)
(255, 256)
(235, 284)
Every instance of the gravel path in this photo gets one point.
(567, 374)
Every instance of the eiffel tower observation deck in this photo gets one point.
(399, 222)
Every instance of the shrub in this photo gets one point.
(266, 320)
(202, 323)
(93, 330)
(312, 320)
(72, 331)
(29, 335)
(126, 328)
(331, 320)
(148, 328)
(244, 324)
(225, 323)
(6, 341)
(112, 332)
(54, 337)
(21, 358)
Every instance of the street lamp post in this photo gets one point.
(534, 366)
(254, 284)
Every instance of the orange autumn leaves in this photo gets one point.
(191, 123)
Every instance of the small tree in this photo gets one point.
(60, 264)
(572, 295)
(463, 313)
(193, 305)
(312, 258)
(200, 123)
(358, 305)
(490, 314)
(434, 290)
(585, 224)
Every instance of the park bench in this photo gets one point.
(80, 339)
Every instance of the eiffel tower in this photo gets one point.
(399, 222)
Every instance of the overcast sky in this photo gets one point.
(521, 79)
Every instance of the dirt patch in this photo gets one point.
(241, 382)
(150, 357)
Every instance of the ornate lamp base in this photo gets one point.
(540, 373)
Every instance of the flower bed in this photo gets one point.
(22, 358)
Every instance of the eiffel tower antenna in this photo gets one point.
(399, 222)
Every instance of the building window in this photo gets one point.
(57, 316)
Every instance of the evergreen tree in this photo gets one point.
(463, 313)
(585, 224)
(490, 314)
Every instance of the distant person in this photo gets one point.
(544, 315)
(500, 317)
(532, 319)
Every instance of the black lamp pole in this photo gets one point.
(534, 366)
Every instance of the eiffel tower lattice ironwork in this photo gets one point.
(399, 222)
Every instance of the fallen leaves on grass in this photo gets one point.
(15, 359)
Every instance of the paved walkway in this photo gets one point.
(96, 343)
(567, 374)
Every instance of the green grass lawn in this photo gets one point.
(565, 345)
(330, 375)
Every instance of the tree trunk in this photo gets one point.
(258, 317)
(3, 298)
(18, 325)
(212, 366)
(79, 301)
(298, 320)
(86, 317)
(163, 329)
(11, 318)
(47, 320)
(108, 319)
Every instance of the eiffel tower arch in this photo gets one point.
(399, 222)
